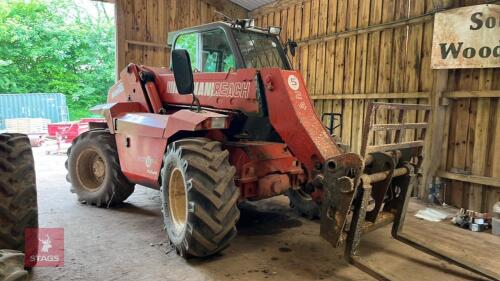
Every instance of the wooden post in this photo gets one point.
(433, 151)
(480, 152)
(120, 37)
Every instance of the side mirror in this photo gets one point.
(183, 73)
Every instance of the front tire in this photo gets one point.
(199, 197)
(94, 170)
(18, 200)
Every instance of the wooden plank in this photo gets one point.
(426, 73)
(338, 80)
(437, 134)
(313, 56)
(372, 28)
(478, 180)
(400, 37)
(385, 63)
(120, 21)
(373, 47)
(264, 21)
(492, 196)
(162, 29)
(228, 8)
(451, 132)
(471, 128)
(150, 53)
(349, 70)
(481, 140)
(391, 126)
(360, 77)
(130, 29)
(304, 51)
(277, 22)
(413, 62)
(194, 12)
(373, 51)
(472, 94)
(371, 96)
(288, 28)
(275, 5)
(480, 151)
(141, 14)
(320, 61)
(297, 34)
(394, 146)
(287, 23)
(147, 44)
(174, 11)
(460, 142)
(425, 83)
(330, 56)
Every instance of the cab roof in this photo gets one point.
(213, 25)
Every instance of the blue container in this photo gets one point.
(38, 105)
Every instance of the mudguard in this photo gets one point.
(142, 137)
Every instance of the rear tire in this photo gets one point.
(12, 266)
(18, 201)
(199, 197)
(94, 170)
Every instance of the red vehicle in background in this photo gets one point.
(66, 132)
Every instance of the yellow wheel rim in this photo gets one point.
(177, 199)
(90, 169)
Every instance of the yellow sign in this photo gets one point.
(467, 37)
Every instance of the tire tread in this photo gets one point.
(213, 212)
(18, 198)
(120, 188)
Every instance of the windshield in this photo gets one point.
(259, 50)
(209, 50)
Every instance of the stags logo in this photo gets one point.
(46, 244)
(44, 247)
(217, 89)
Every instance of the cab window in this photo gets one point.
(189, 42)
(209, 50)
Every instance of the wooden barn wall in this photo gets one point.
(348, 58)
(473, 142)
(143, 26)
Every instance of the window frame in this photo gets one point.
(230, 36)
(281, 53)
(211, 27)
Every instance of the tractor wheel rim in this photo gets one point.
(90, 170)
(98, 168)
(177, 199)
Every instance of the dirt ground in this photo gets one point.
(273, 243)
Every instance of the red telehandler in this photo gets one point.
(241, 127)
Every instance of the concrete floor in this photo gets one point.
(273, 243)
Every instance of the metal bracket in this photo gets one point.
(332, 117)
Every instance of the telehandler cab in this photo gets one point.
(241, 127)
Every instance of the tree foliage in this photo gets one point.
(55, 46)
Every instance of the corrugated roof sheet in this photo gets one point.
(251, 4)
